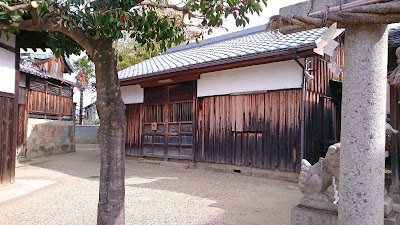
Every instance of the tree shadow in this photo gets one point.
(222, 198)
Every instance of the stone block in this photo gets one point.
(388, 206)
(393, 219)
(307, 216)
(394, 189)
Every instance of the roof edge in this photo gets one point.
(303, 52)
(217, 39)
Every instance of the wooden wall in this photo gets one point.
(133, 131)
(49, 99)
(323, 105)
(259, 130)
(7, 148)
(22, 123)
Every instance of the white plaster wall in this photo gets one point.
(132, 94)
(7, 65)
(7, 71)
(265, 77)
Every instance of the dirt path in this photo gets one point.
(154, 194)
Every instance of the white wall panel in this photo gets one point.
(132, 94)
(7, 71)
(265, 77)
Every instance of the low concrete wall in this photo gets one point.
(86, 134)
(49, 137)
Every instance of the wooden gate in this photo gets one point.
(168, 121)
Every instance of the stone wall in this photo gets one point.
(49, 137)
(86, 134)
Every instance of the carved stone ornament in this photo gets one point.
(315, 180)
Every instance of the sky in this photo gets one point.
(272, 8)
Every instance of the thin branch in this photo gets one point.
(32, 7)
(25, 6)
(185, 10)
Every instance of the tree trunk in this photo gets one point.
(81, 106)
(111, 109)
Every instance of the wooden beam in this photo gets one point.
(6, 94)
(174, 80)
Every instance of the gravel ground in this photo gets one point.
(154, 194)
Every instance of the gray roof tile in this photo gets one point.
(394, 37)
(243, 45)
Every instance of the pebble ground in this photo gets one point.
(154, 194)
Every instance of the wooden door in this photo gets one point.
(179, 133)
(168, 127)
(154, 123)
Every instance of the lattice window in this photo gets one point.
(178, 112)
(65, 92)
(154, 113)
(37, 86)
(53, 89)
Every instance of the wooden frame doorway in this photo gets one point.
(169, 121)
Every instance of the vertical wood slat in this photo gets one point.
(22, 122)
(267, 133)
(49, 104)
(133, 131)
(3, 130)
(272, 144)
(6, 140)
(217, 128)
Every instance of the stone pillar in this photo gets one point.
(363, 126)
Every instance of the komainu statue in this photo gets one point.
(315, 180)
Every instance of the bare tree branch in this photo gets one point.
(185, 10)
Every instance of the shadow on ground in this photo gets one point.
(174, 195)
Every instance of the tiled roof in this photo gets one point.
(239, 46)
(33, 71)
(394, 37)
(24, 66)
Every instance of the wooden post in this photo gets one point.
(394, 187)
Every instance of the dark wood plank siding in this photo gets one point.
(22, 122)
(133, 133)
(322, 106)
(7, 133)
(259, 130)
(22, 117)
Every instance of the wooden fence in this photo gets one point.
(49, 99)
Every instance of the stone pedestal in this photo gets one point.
(307, 216)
